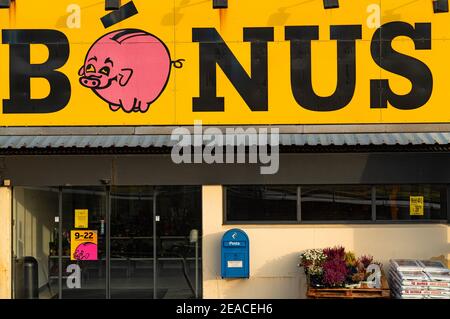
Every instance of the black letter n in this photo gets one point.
(21, 71)
(213, 50)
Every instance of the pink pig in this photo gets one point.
(86, 251)
(128, 69)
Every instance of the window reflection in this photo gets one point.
(336, 203)
(394, 202)
(262, 203)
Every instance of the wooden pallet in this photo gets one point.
(350, 293)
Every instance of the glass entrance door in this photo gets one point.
(110, 242)
(132, 243)
(83, 242)
(155, 242)
(178, 237)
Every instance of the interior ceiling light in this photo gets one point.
(331, 4)
(112, 4)
(220, 4)
(440, 6)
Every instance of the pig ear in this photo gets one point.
(81, 72)
(125, 76)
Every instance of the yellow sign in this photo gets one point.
(71, 63)
(416, 205)
(81, 218)
(83, 245)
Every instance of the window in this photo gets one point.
(336, 203)
(261, 203)
(394, 202)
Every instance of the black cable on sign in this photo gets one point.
(124, 12)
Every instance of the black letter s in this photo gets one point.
(414, 70)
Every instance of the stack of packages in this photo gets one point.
(419, 279)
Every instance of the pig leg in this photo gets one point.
(128, 105)
(137, 106)
(145, 107)
(114, 107)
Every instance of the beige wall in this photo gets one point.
(274, 250)
(5, 242)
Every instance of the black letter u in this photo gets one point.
(301, 73)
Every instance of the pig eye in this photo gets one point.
(105, 70)
(90, 69)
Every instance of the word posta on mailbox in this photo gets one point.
(359, 64)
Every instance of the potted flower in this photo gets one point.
(334, 268)
(312, 261)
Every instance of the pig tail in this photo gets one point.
(178, 64)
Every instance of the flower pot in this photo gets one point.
(315, 281)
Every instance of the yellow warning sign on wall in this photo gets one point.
(66, 63)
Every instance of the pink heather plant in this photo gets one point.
(366, 260)
(334, 269)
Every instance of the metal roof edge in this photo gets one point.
(283, 129)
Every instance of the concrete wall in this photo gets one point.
(5, 243)
(34, 215)
(274, 250)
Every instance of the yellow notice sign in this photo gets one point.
(83, 245)
(416, 205)
(81, 218)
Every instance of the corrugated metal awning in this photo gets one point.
(145, 141)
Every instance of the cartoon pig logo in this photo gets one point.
(86, 251)
(128, 69)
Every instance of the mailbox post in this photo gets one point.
(235, 252)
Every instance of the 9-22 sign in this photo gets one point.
(83, 245)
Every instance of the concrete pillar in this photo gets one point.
(5, 242)
(212, 211)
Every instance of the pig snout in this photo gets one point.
(90, 82)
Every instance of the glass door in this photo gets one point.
(132, 243)
(83, 243)
(155, 242)
(110, 242)
(178, 238)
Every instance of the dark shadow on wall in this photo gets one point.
(278, 278)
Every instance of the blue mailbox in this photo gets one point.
(235, 254)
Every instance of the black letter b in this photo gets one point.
(21, 71)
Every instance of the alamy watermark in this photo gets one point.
(227, 146)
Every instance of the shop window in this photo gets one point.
(411, 202)
(261, 203)
(336, 203)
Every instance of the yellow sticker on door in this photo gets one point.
(81, 218)
(83, 245)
